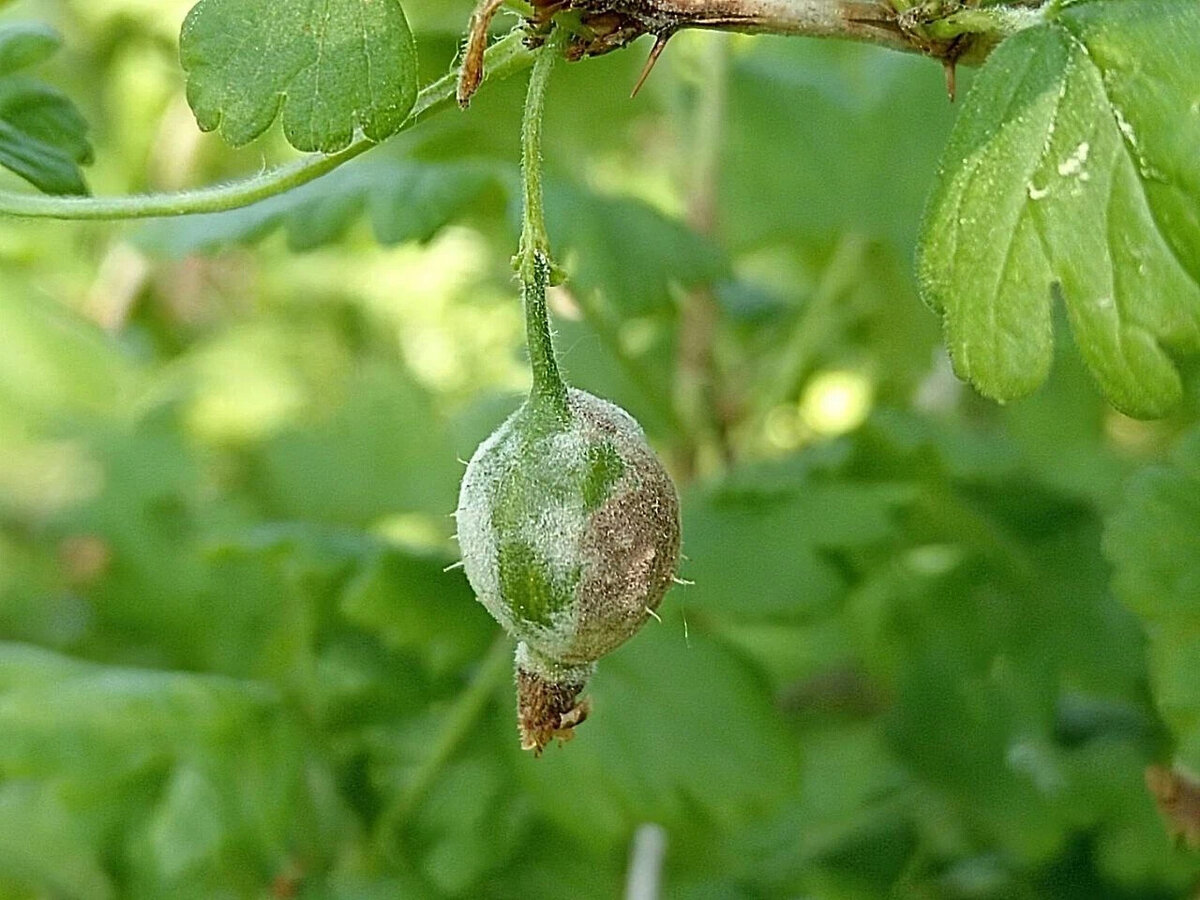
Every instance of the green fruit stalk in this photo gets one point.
(567, 521)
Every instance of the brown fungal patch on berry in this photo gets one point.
(547, 710)
(630, 544)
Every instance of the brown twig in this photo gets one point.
(624, 20)
(601, 26)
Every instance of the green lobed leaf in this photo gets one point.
(1071, 174)
(327, 68)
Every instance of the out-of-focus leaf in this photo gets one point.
(655, 747)
(762, 552)
(55, 363)
(43, 137)
(326, 71)
(821, 140)
(209, 781)
(405, 200)
(473, 823)
(390, 597)
(620, 247)
(626, 250)
(1153, 541)
(25, 45)
(41, 845)
(382, 452)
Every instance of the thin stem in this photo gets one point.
(458, 724)
(818, 322)
(505, 57)
(533, 256)
(549, 391)
(696, 377)
(534, 238)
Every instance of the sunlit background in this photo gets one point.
(231, 663)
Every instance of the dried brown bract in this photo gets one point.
(547, 710)
(1178, 799)
(470, 74)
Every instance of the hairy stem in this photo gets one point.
(507, 56)
(533, 257)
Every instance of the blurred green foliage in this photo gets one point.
(232, 664)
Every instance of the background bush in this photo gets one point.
(232, 664)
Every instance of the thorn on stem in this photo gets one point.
(660, 44)
(951, 68)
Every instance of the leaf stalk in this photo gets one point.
(506, 57)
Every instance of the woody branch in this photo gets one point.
(952, 31)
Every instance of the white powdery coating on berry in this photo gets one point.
(630, 546)
(558, 532)
(558, 529)
(476, 537)
(553, 535)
